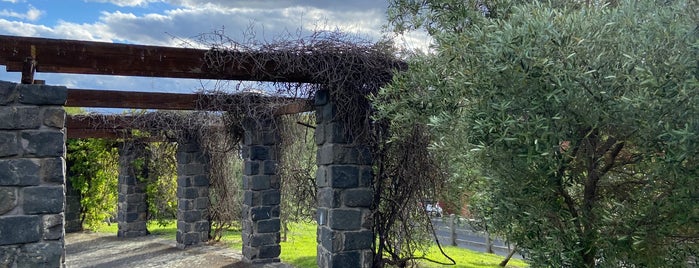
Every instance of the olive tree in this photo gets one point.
(580, 118)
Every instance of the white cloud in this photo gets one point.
(270, 20)
(126, 3)
(276, 4)
(85, 31)
(32, 14)
(267, 23)
(23, 29)
(62, 30)
(13, 1)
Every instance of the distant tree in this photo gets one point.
(161, 183)
(93, 171)
(580, 118)
(297, 169)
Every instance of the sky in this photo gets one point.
(176, 22)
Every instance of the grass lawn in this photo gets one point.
(468, 258)
(169, 230)
(300, 248)
(300, 251)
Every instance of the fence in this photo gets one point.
(457, 231)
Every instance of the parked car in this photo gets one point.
(433, 209)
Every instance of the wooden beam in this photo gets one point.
(105, 126)
(94, 133)
(85, 57)
(112, 123)
(109, 134)
(176, 101)
(130, 99)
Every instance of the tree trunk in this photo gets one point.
(589, 258)
(488, 243)
(285, 231)
(504, 262)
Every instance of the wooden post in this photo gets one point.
(28, 69)
(452, 228)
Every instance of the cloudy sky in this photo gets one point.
(168, 22)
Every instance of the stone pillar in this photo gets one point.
(73, 206)
(72, 213)
(345, 193)
(32, 175)
(261, 196)
(192, 193)
(132, 209)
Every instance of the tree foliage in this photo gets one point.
(93, 172)
(161, 183)
(297, 169)
(579, 119)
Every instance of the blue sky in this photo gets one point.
(168, 22)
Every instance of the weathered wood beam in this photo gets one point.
(94, 133)
(130, 99)
(107, 127)
(176, 101)
(111, 134)
(117, 126)
(86, 57)
(105, 122)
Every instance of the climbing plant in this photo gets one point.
(351, 70)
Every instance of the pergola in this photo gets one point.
(344, 176)
(30, 55)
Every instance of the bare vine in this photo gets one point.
(349, 69)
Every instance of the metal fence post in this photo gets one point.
(452, 228)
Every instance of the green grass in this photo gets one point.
(233, 239)
(169, 230)
(104, 228)
(300, 248)
(467, 258)
(300, 251)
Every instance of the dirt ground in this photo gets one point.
(84, 249)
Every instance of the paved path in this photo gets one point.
(84, 249)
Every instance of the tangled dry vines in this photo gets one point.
(350, 70)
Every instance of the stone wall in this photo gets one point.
(32, 175)
(192, 193)
(262, 195)
(345, 193)
(132, 209)
(72, 209)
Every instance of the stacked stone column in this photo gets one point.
(192, 193)
(345, 193)
(132, 208)
(32, 175)
(72, 209)
(261, 198)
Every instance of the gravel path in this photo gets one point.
(85, 249)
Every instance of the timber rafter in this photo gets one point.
(89, 98)
(118, 126)
(25, 54)
(29, 55)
